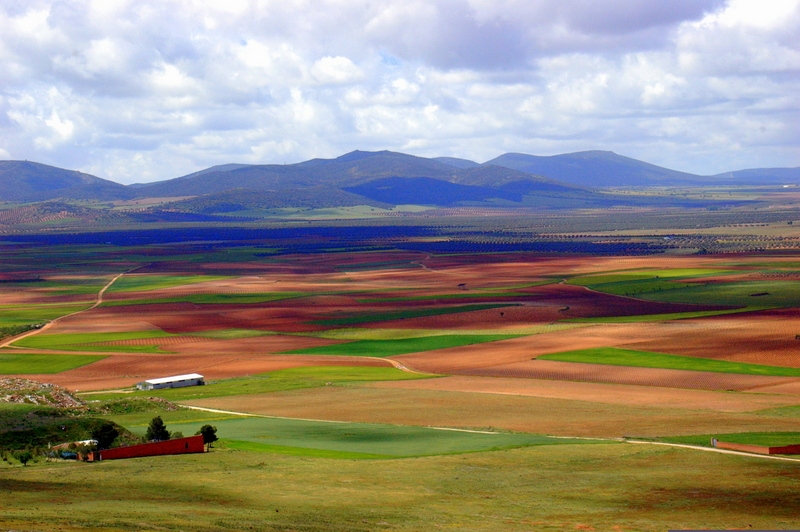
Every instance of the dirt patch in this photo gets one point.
(617, 394)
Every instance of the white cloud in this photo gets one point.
(139, 91)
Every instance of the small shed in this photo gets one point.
(177, 381)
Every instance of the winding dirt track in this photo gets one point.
(97, 303)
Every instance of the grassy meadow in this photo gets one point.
(546, 487)
(21, 364)
(644, 359)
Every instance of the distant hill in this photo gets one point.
(384, 178)
(247, 200)
(595, 169)
(598, 169)
(761, 176)
(24, 181)
(456, 162)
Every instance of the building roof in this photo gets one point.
(163, 380)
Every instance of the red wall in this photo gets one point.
(192, 444)
(758, 449)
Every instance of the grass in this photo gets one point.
(641, 318)
(462, 295)
(90, 341)
(16, 364)
(766, 439)
(764, 294)
(620, 277)
(644, 359)
(208, 299)
(372, 333)
(143, 283)
(388, 348)
(405, 314)
(278, 381)
(370, 439)
(16, 315)
(549, 488)
(138, 421)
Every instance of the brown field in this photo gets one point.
(341, 285)
(379, 403)
(632, 395)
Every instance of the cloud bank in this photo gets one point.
(137, 91)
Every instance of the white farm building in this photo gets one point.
(178, 381)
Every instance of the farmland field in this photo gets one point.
(396, 388)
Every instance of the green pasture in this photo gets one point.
(144, 283)
(766, 439)
(208, 299)
(641, 275)
(137, 422)
(546, 487)
(17, 315)
(61, 287)
(471, 293)
(21, 364)
(370, 439)
(231, 334)
(761, 294)
(353, 333)
(388, 348)
(90, 341)
(406, 314)
(659, 317)
(277, 381)
(613, 356)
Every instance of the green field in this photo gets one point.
(642, 318)
(278, 381)
(388, 348)
(760, 294)
(643, 359)
(89, 341)
(405, 314)
(208, 299)
(143, 283)
(546, 487)
(372, 440)
(16, 364)
(15, 315)
(641, 275)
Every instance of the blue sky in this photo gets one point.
(137, 91)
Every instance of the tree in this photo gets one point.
(209, 435)
(23, 457)
(157, 431)
(105, 435)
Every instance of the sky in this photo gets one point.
(139, 91)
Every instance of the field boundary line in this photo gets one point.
(465, 430)
(246, 414)
(714, 450)
(97, 303)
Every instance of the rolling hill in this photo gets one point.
(25, 181)
(384, 179)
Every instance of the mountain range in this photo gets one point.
(386, 178)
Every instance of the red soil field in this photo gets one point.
(120, 371)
